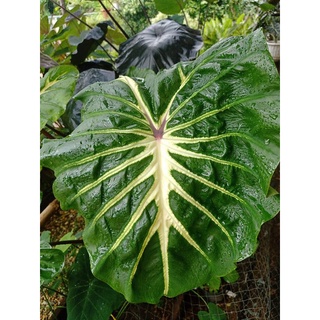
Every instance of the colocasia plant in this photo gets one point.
(172, 170)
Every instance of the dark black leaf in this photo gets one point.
(47, 62)
(72, 116)
(159, 46)
(95, 64)
(91, 41)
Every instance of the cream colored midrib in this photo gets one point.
(164, 209)
(142, 106)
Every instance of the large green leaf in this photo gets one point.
(172, 171)
(56, 89)
(88, 297)
(170, 6)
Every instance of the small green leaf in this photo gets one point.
(215, 313)
(51, 264)
(231, 277)
(88, 297)
(45, 239)
(56, 89)
(214, 283)
(66, 237)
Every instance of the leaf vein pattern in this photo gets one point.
(254, 97)
(130, 224)
(141, 105)
(150, 234)
(117, 98)
(147, 173)
(208, 84)
(112, 172)
(206, 139)
(187, 153)
(108, 152)
(179, 190)
(176, 166)
(119, 131)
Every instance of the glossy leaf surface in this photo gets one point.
(88, 297)
(51, 260)
(172, 171)
(56, 89)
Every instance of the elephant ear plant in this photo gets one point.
(172, 171)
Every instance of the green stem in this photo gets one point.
(199, 296)
(56, 243)
(56, 291)
(122, 309)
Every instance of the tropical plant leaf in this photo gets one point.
(88, 297)
(56, 89)
(214, 283)
(159, 46)
(172, 172)
(51, 260)
(232, 277)
(51, 264)
(170, 6)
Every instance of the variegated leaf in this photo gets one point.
(172, 171)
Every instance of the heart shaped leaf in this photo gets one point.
(87, 295)
(172, 171)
